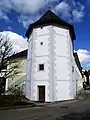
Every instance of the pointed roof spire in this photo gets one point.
(49, 18)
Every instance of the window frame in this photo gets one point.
(41, 67)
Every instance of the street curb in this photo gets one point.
(16, 107)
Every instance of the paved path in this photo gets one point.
(48, 112)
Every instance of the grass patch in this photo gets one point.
(11, 101)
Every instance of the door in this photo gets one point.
(41, 90)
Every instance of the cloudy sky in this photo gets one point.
(16, 15)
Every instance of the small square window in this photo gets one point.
(41, 43)
(41, 67)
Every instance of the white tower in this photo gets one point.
(49, 60)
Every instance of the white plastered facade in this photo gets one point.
(56, 54)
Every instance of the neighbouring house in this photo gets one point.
(79, 78)
(20, 78)
(2, 84)
(53, 71)
(2, 80)
(87, 77)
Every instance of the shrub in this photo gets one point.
(16, 93)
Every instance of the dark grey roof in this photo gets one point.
(49, 18)
(22, 54)
(77, 62)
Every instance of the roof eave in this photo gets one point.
(30, 29)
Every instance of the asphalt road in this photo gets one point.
(58, 111)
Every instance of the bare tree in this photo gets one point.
(8, 66)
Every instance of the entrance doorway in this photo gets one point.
(41, 91)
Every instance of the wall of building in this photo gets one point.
(55, 54)
(19, 78)
(77, 77)
(39, 55)
(73, 73)
(62, 63)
